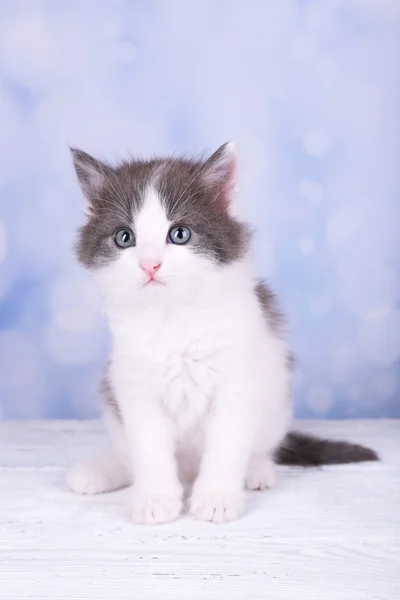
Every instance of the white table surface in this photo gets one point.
(329, 533)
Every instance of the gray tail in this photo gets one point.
(308, 451)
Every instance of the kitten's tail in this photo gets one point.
(306, 450)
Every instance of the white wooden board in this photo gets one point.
(329, 533)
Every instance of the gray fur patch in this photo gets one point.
(189, 200)
(109, 398)
(270, 307)
(273, 315)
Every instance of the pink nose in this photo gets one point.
(149, 268)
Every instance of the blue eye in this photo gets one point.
(179, 235)
(124, 238)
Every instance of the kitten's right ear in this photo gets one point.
(91, 173)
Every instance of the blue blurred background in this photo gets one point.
(307, 90)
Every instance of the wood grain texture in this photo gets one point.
(329, 533)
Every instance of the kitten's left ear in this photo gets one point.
(91, 174)
(221, 174)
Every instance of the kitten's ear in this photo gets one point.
(221, 174)
(91, 173)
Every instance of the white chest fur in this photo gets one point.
(179, 353)
(184, 353)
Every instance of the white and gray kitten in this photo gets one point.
(198, 386)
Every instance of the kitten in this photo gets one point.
(198, 387)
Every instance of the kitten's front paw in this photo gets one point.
(153, 509)
(216, 505)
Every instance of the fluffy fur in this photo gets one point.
(198, 385)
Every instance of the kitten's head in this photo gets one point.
(161, 224)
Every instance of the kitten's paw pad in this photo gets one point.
(98, 476)
(153, 509)
(261, 474)
(217, 506)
